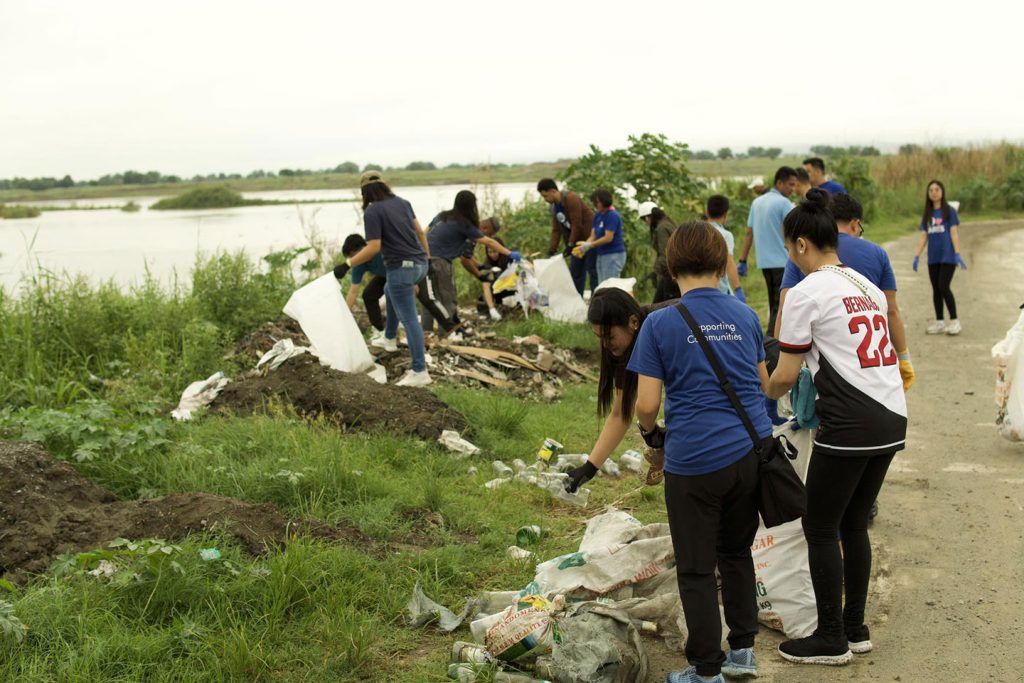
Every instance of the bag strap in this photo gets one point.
(723, 381)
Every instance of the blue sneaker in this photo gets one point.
(740, 663)
(690, 675)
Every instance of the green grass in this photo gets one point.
(13, 211)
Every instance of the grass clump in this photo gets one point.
(221, 197)
(131, 207)
(11, 211)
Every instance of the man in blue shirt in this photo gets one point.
(606, 237)
(816, 170)
(764, 229)
(871, 261)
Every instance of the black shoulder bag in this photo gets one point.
(781, 495)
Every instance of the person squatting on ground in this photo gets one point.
(489, 227)
(374, 290)
(939, 231)
(571, 221)
(615, 317)
(717, 211)
(447, 236)
(392, 230)
(764, 229)
(815, 167)
(486, 303)
(662, 227)
(606, 237)
(711, 466)
(836, 320)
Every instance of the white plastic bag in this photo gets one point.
(333, 333)
(626, 284)
(1009, 357)
(199, 394)
(564, 303)
(785, 596)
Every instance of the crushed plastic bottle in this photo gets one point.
(632, 461)
(554, 483)
(502, 470)
(567, 461)
(470, 652)
(611, 468)
(495, 483)
(467, 673)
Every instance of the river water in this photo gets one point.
(111, 244)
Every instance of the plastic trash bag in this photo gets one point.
(626, 284)
(333, 333)
(1009, 357)
(564, 303)
(423, 610)
(199, 394)
(451, 440)
(281, 351)
(599, 644)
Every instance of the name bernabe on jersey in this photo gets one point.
(857, 304)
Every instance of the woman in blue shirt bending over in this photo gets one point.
(711, 465)
(939, 231)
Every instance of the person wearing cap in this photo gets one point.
(816, 171)
(571, 221)
(392, 229)
(662, 227)
(447, 237)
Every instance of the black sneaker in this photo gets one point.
(873, 513)
(860, 640)
(816, 649)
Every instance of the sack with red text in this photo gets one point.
(1009, 357)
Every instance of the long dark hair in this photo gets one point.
(926, 218)
(608, 307)
(375, 192)
(812, 219)
(464, 209)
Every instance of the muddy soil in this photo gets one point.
(47, 508)
(355, 401)
(253, 345)
(946, 599)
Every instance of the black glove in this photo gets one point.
(654, 438)
(341, 270)
(580, 476)
(486, 276)
(552, 252)
(568, 250)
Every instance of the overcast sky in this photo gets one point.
(196, 87)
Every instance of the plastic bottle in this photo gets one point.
(566, 461)
(554, 483)
(527, 535)
(470, 652)
(466, 673)
(632, 461)
(502, 470)
(495, 483)
(518, 465)
(611, 468)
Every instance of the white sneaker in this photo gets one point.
(414, 379)
(455, 337)
(937, 327)
(377, 334)
(384, 343)
(953, 327)
(495, 316)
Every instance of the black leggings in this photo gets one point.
(371, 299)
(941, 275)
(773, 282)
(840, 492)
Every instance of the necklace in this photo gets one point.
(849, 276)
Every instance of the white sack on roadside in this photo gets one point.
(1009, 357)
(785, 596)
(199, 394)
(564, 303)
(321, 311)
(616, 551)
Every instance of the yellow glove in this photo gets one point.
(906, 369)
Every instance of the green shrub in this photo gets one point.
(205, 198)
(131, 207)
(17, 211)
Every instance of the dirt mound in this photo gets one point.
(47, 508)
(355, 401)
(263, 338)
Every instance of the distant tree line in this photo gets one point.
(852, 150)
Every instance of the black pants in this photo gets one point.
(666, 289)
(840, 491)
(713, 520)
(773, 280)
(371, 300)
(425, 294)
(941, 275)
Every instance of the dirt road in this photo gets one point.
(948, 596)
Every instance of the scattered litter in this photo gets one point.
(451, 440)
(281, 351)
(528, 535)
(472, 471)
(333, 333)
(104, 569)
(199, 394)
(518, 465)
(495, 483)
(517, 553)
(632, 461)
(1009, 358)
(502, 470)
(549, 449)
(611, 468)
(209, 554)
(423, 610)
(470, 652)
(525, 629)
(467, 673)
(599, 644)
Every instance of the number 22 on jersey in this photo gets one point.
(883, 353)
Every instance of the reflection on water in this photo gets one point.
(112, 244)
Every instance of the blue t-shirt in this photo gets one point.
(705, 432)
(609, 221)
(375, 266)
(391, 221)
(447, 236)
(940, 244)
(766, 215)
(832, 187)
(730, 243)
(867, 258)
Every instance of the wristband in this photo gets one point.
(903, 355)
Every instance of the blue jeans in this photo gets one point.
(610, 265)
(580, 268)
(400, 291)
